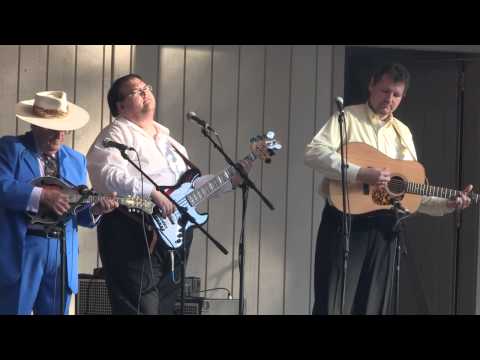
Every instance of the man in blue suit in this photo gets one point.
(30, 274)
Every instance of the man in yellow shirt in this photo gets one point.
(369, 277)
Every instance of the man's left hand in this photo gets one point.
(247, 166)
(107, 204)
(461, 201)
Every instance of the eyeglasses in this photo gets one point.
(142, 91)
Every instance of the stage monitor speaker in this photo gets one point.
(92, 297)
(208, 306)
(191, 306)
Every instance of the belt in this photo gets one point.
(44, 233)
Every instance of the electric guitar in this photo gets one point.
(77, 199)
(172, 228)
(407, 184)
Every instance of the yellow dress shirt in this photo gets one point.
(363, 125)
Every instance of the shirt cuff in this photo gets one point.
(352, 172)
(148, 188)
(34, 202)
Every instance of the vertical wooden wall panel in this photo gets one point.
(61, 73)
(8, 88)
(224, 121)
(197, 98)
(170, 99)
(300, 180)
(89, 95)
(274, 181)
(32, 77)
(250, 123)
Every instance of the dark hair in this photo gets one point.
(397, 72)
(114, 95)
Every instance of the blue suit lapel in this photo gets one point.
(66, 162)
(30, 155)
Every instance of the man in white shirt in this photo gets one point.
(370, 272)
(139, 282)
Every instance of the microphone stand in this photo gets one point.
(247, 184)
(185, 216)
(59, 229)
(398, 210)
(345, 215)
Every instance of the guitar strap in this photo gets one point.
(405, 144)
(402, 141)
(185, 159)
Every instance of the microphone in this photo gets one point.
(107, 142)
(194, 118)
(339, 102)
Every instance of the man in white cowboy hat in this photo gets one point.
(30, 253)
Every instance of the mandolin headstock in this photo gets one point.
(137, 203)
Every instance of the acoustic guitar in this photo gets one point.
(407, 184)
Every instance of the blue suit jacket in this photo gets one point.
(18, 167)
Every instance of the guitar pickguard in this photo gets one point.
(380, 196)
(172, 229)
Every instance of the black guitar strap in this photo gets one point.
(185, 159)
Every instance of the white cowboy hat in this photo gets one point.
(51, 110)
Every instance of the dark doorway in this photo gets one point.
(433, 110)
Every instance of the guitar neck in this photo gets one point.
(427, 190)
(212, 186)
(92, 199)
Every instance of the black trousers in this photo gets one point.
(370, 274)
(137, 283)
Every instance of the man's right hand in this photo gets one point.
(373, 176)
(55, 199)
(166, 206)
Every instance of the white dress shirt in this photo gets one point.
(109, 171)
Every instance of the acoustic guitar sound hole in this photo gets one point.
(397, 186)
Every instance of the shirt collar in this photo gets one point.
(162, 130)
(375, 119)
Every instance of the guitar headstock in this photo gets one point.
(264, 146)
(137, 203)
